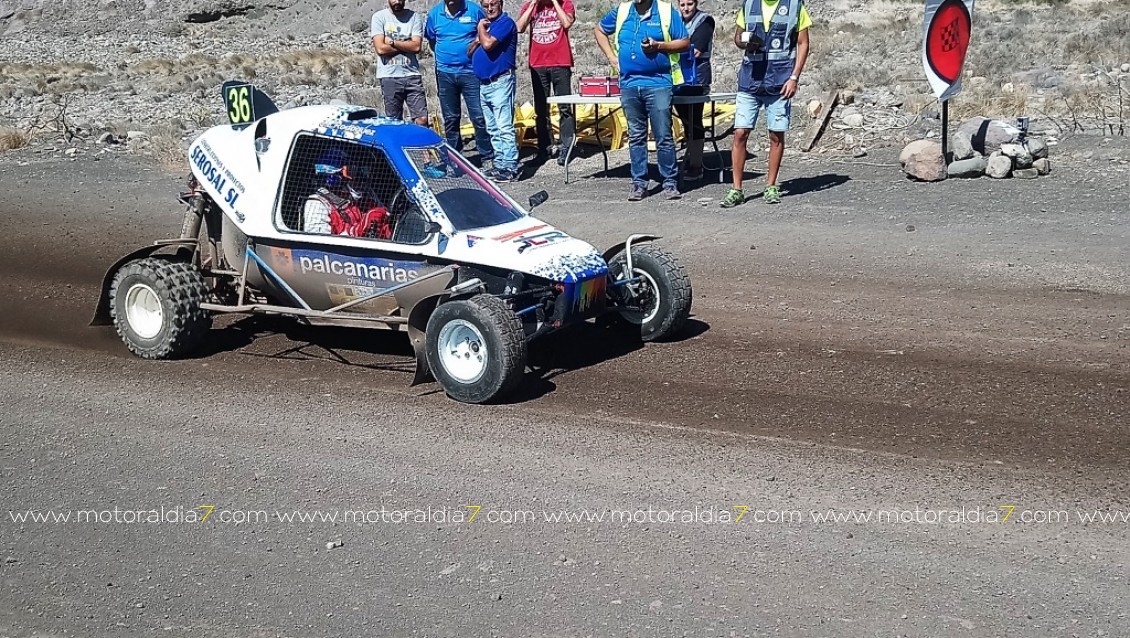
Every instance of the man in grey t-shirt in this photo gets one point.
(397, 35)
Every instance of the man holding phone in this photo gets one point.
(774, 36)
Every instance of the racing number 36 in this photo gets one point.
(239, 104)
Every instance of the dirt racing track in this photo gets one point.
(870, 343)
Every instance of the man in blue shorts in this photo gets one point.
(774, 36)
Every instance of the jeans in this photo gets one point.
(641, 104)
(498, 110)
(559, 80)
(451, 86)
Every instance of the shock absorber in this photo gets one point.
(194, 214)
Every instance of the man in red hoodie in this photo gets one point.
(551, 67)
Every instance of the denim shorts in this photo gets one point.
(777, 111)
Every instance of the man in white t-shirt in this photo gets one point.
(398, 34)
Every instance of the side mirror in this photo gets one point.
(538, 198)
(432, 228)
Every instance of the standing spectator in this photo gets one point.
(451, 30)
(551, 68)
(647, 37)
(774, 35)
(398, 34)
(494, 58)
(695, 63)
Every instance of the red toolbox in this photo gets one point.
(600, 86)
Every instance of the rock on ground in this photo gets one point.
(1037, 147)
(998, 166)
(1042, 165)
(961, 146)
(971, 167)
(1021, 158)
(922, 159)
(1026, 173)
(987, 135)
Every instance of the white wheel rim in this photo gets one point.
(462, 351)
(648, 282)
(143, 311)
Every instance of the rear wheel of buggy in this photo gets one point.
(476, 348)
(658, 300)
(155, 305)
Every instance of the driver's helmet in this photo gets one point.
(334, 166)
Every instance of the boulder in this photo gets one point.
(961, 146)
(1026, 173)
(922, 160)
(987, 135)
(1021, 158)
(970, 168)
(1042, 165)
(998, 166)
(814, 108)
(1037, 147)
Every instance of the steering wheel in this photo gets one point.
(399, 205)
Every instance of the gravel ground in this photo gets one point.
(872, 344)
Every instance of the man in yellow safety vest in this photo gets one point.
(642, 40)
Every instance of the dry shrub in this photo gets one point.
(365, 97)
(11, 138)
(167, 147)
(153, 67)
(987, 99)
(358, 67)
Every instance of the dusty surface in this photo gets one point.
(872, 343)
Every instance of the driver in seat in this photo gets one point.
(339, 208)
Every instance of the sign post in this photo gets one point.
(947, 30)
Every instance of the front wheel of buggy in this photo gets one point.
(476, 348)
(155, 305)
(656, 296)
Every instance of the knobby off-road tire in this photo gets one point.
(155, 305)
(665, 291)
(476, 348)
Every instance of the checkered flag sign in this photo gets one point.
(951, 38)
(947, 27)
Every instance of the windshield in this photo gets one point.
(468, 199)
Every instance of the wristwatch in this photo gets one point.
(794, 78)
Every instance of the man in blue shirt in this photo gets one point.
(493, 60)
(451, 28)
(642, 40)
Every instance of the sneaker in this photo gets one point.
(733, 198)
(692, 174)
(772, 194)
(489, 173)
(637, 193)
(502, 176)
(672, 192)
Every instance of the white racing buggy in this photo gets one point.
(336, 215)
